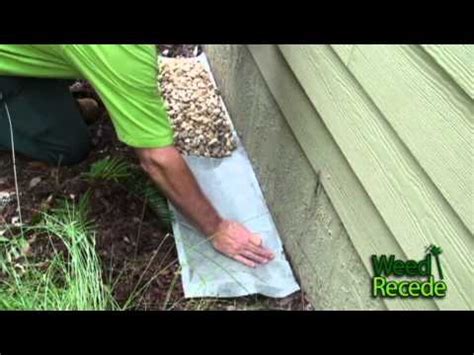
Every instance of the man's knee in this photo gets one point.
(46, 121)
(75, 152)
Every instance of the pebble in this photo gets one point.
(16, 221)
(5, 199)
(34, 182)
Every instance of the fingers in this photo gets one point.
(245, 261)
(256, 246)
(260, 251)
(255, 257)
(243, 246)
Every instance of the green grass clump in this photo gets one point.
(143, 188)
(111, 169)
(70, 280)
(135, 181)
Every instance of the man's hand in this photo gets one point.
(235, 241)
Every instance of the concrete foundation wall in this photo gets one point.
(330, 269)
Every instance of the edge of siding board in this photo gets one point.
(458, 63)
(342, 186)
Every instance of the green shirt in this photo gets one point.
(125, 77)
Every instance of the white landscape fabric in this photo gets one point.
(231, 185)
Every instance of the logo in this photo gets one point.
(419, 280)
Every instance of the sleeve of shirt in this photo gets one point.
(125, 77)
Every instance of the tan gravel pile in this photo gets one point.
(198, 117)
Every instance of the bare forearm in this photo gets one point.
(171, 173)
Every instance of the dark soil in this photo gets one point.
(180, 50)
(137, 252)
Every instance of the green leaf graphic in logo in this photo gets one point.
(436, 252)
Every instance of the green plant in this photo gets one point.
(69, 280)
(436, 252)
(115, 169)
(143, 188)
(135, 181)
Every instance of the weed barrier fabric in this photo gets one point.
(231, 185)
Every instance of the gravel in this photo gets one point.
(197, 115)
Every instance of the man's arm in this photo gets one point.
(125, 78)
(170, 172)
